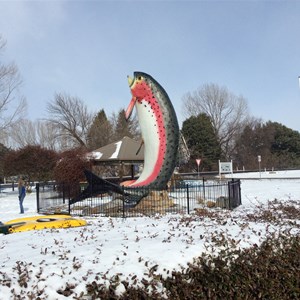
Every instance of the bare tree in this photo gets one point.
(46, 134)
(12, 105)
(228, 112)
(71, 117)
(23, 133)
(29, 133)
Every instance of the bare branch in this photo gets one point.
(228, 112)
(71, 117)
(12, 105)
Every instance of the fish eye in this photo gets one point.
(140, 78)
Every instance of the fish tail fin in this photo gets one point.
(97, 185)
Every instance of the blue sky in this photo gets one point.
(87, 49)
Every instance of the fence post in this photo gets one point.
(69, 206)
(13, 186)
(203, 183)
(234, 192)
(229, 194)
(123, 204)
(69, 197)
(37, 187)
(188, 198)
(63, 193)
(240, 194)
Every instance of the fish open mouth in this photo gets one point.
(130, 81)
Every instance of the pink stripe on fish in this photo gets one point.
(151, 99)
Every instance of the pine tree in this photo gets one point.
(101, 131)
(125, 127)
(278, 146)
(202, 141)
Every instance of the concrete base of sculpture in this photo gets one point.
(156, 201)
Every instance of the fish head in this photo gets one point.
(139, 91)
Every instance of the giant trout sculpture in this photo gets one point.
(160, 133)
(159, 128)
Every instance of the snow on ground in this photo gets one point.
(255, 192)
(45, 262)
(266, 174)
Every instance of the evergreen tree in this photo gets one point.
(286, 146)
(202, 141)
(278, 146)
(100, 132)
(256, 139)
(125, 127)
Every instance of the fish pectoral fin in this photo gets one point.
(130, 108)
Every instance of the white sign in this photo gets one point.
(259, 158)
(225, 167)
(198, 160)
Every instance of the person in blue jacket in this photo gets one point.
(22, 194)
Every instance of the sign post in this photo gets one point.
(198, 161)
(259, 160)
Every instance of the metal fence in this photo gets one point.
(183, 197)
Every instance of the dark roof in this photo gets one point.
(124, 150)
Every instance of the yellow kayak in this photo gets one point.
(41, 222)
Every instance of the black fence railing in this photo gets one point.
(11, 185)
(183, 197)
